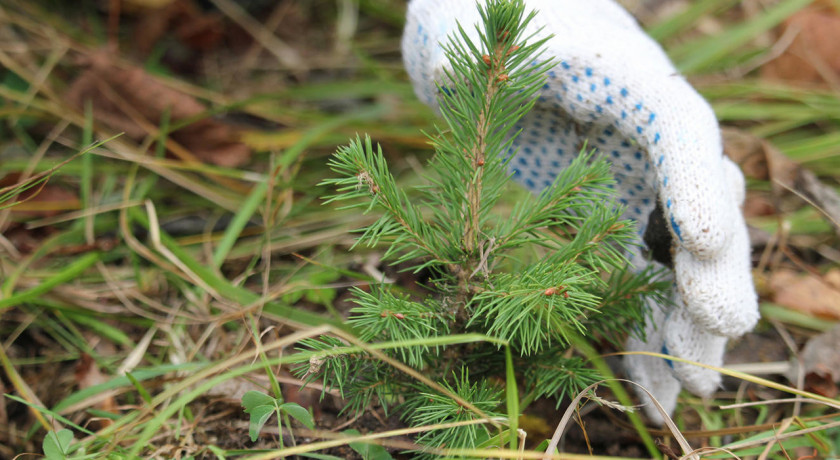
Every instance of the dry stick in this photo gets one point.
(154, 236)
(800, 365)
(770, 384)
(785, 425)
(283, 52)
(749, 368)
(782, 243)
(778, 48)
(731, 373)
(691, 434)
(782, 437)
(249, 59)
(335, 434)
(154, 164)
(825, 199)
(205, 373)
(823, 68)
(116, 290)
(346, 25)
(135, 357)
(125, 295)
(767, 253)
(40, 78)
(10, 249)
(120, 148)
(74, 215)
(523, 435)
(132, 242)
(362, 438)
(561, 427)
(13, 65)
(781, 401)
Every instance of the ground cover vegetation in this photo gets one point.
(175, 256)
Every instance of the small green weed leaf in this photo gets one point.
(259, 415)
(544, 445)
(217, 451)
(260, 406)
(253, 399)
(299, 413)
(56, 444)
(321, 296)
(368, 451)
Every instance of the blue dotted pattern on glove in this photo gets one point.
(551, 138)
(553, 133)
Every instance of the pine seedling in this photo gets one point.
(536, 278)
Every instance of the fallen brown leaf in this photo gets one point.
(813, 55)
(807, 293)
(129, 100)
(193, 27)
(821, 384)
(821, 363)
(759, 159)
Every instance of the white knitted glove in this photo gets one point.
(615, 89)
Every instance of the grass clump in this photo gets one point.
(508, 291)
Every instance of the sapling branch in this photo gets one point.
(496, 77)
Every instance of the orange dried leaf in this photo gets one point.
(821, 363)
(129, 100)
(806, 293)
(812, 56)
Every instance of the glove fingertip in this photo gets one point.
(719, 294)
(685, 338)
(727, 315)
(654, 375)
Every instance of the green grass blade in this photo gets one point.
(699, 55)
(682, 21)
(240, 295)
(512, 395)
(240, 220)
(75, 269)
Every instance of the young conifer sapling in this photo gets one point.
(532, 279)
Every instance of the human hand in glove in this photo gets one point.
(613, 89)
